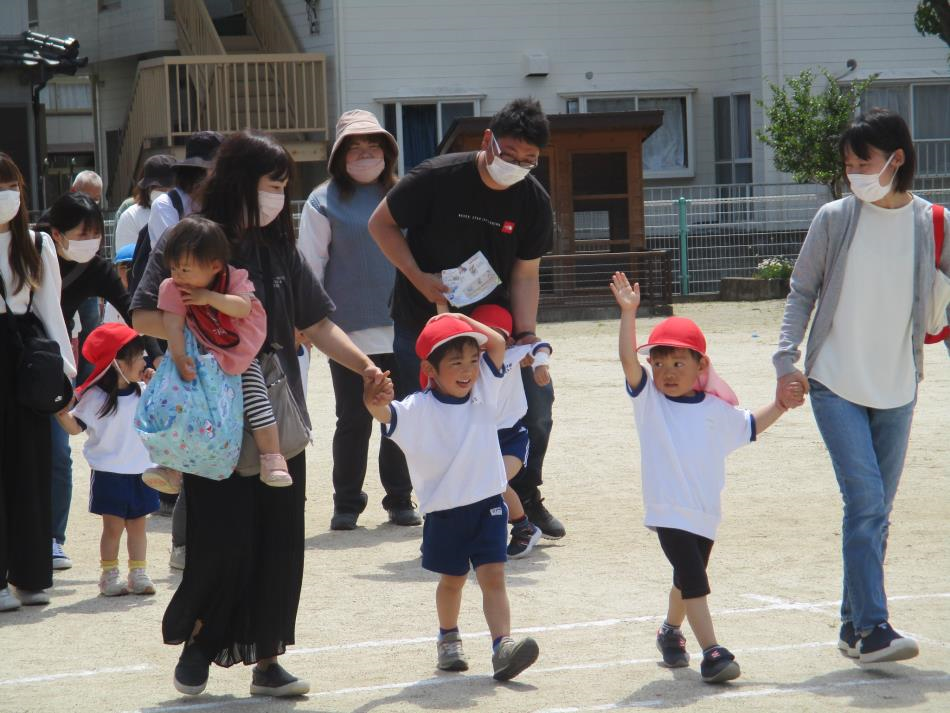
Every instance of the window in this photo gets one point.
(420, 125)
(926, 108)
(65, 97)
(732, 134)
(668, 151)
(33, 14)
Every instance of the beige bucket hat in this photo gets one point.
(358, 122)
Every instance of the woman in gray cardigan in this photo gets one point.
(868, 265)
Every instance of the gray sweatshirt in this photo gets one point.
(819, 273)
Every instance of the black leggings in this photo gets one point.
(689, 555)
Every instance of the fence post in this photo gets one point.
(684, 257)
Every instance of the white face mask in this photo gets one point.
(81, 250)
(155, 195)
(867, 186)
(502, 172)
(365, 170)
(269, 206)
(9, 205)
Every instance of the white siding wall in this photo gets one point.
(324, 42)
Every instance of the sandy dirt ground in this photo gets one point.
(365, 631)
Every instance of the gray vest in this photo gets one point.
(358, 276)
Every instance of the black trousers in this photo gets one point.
(25, 478)
(354, 426)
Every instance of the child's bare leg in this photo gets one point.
(491, 579)
(267, 439)
(700, 621)
(515, 509)
(112, 528)
(136, 540)
(448, 600)
(676, 612)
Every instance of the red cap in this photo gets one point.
(101, 347)
(439, 331)
(494, 316)
(677, 332)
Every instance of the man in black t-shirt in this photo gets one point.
(452, 207)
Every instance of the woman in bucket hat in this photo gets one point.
(337, 245)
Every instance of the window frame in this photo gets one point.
(399, 102)
(733, 161)
(909, 85)
(689, 171)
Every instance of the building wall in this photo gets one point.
(322, 39)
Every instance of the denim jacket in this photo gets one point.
(819, 274)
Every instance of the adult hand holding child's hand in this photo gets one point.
(791, 389)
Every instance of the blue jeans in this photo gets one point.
(89, 318)
(62, 483)
(867, 448)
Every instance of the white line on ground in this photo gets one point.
(49, 678)
(762, 692)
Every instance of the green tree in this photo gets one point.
(932, 17)
(803, 127)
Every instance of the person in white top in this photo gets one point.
(687, 423)
(869, 270)
(158, 177)
(449, 433)
(115, 454)
(513, 436)
(31, 283)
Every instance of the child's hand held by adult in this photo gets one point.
(542, 375)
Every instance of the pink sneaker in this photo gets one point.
(274, 471)
(164, 480)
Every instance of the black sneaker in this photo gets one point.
(672, 645)
(276, 681)
(404, 514)
(848, 640)
(191, 673)
(343, 520)
(718, 665)
(551, 527)
(523, 540)
(885, 644)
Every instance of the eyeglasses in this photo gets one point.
(510, 159)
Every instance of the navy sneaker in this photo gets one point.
(718, 665)
(672, 644)
(276, 681)
(848, 640)
(885, 644)
(191, 673)
(523, 540)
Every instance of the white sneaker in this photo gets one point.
(111, 585)
(32, 598)
(8, 602)
(177, 558)
(60, 560)
(139, 582)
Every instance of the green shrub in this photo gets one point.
(774, 268)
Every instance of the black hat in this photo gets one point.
(200, 149)
(158, 171)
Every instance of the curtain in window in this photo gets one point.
(890, 98)
(615, 104)
(932, 111)
(73, 96)
(418, 133)
(665, 150)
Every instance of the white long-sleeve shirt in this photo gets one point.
(45, 298)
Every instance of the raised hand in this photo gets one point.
(628, 298)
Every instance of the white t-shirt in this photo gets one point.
(512, 402)
(683, 447)
(868, 357)
(113, 444)
(451, 445)
(130, 224)
(163, 214)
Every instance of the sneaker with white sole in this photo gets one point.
(32, 597)
(60, 560)
(191, 671)
(848, 640)
(164, 480)
(8, 602)
(274, 471)
(511, 657)
(523, 540)
(276, 681)
(719, 665)
(885, 644)
(111, 584)
(139, 582)
(176, 560)
(451, 654)
(672, 645)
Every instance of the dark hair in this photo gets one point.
(453, 346)
(886, 131)
(110, 380)
(522, 119)
(337, 169)
(199, 238)
(71, 210)
(665, 351)
(229, 196)
(25, 261)
(188, 178)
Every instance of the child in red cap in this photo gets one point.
(513, 405)
(116, 456)
(687, 422)
(449, 433)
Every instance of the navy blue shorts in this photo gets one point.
(476, 533)
(122, 495)
(514, 442)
